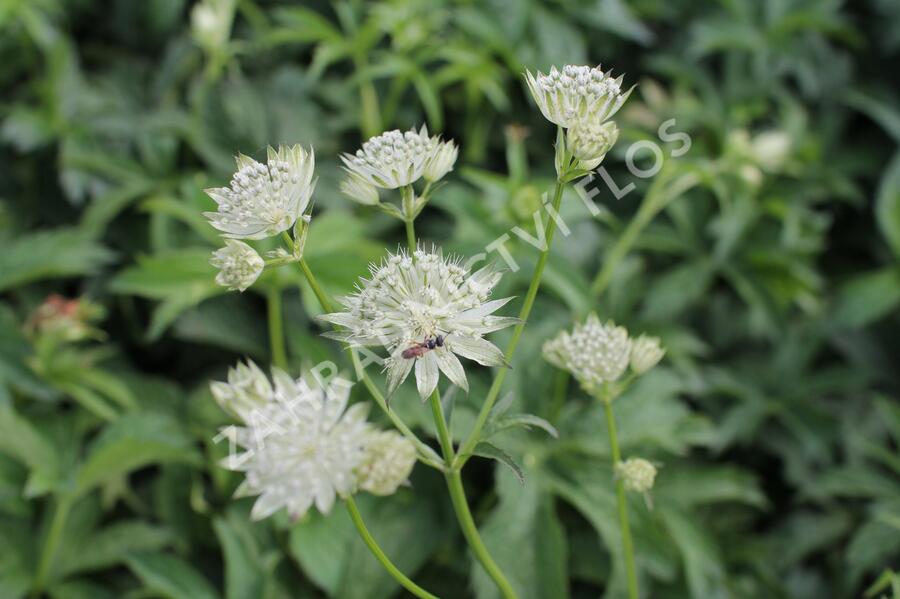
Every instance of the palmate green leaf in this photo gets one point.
(245, 576)
(169, 576)
(134, 441)
(180, 279)
(526, 538)
(702, 566)
(57, 253)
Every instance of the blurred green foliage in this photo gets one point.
(774, 282)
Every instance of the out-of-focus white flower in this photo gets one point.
(303, 446)
(646, 353)
(770, 149)
(396, 158)
(425, 309)
(211, 23)
(589, 141)
(390, 458)
(247, 390)
(441, 162)
(359, 190)
(637, 474)
(239, 265)
(576, 94)
(264, 200)
(594, 352)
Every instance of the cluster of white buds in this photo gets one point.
(580, 99)
(239, 265)
(390, 458)
(598, 353)
(636, 474)
(264, 200)
(395, 159)
(303, 446)
(424, 309)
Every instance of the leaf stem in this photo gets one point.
(379, 554)
(627, 545)
(276, 330)
(48, 551)
(465, 451)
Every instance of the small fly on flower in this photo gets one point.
(417, 350)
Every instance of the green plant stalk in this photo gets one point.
(657, 197)
(465, 451)
(408, 197)
(411, 235)
(408, 584)
(424, 450)
(276, 329)
(48, 551)
(461, 504)
(627, 544)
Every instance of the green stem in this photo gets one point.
(411, 235)
(471, 440)
(276, 331)
(660, 193)
(440, 423)
(57, 524)
(316, 288)
(408, 584)
(627, 545)
(470, 531)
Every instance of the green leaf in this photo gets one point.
(868, 297)
(134, 441)
(58, 253)
(170, 576)
(244, 578)
(887, 205)
(491, 451)
(22, 441)
(526, 421)
(109, 546)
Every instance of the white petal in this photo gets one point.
(426, 375)
(397, 372)
(477, 349)
(452, 368)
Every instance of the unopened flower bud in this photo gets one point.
(359, 190)
(442, 162)
(646, 353)
(389, 459)
(239, 265)
(589, 141)
(637, 474)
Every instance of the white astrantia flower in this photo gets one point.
(425, 309)
(247, 390)
(264, 200)
(389, 460)
(441, 162)
(636, 474)
(594, 352)
(302, 445)
(576, 93)
(239, 265)
(397, 158)
(590, 140)
(646, 353)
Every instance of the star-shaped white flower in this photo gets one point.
(399, 158)
(576, 93)
(425, 310)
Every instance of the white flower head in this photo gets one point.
(397, 158)
(303, 447)
(646, 352)
(425, 310)
(389, 460)
(442, 161)
(247, 390)
(359, 190)
(264, 200)
(576, 93)
(594, 352)
(636, 474)
(589, 141)
(239, 265)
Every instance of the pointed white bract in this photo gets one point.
(302, 444)
(594, 352)
(389, 460)
(397, 158)
(636, 474)
(264, 200)
(359, 190)
(576, 93)
(414, 301)
(239, 265)
(646, 353)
